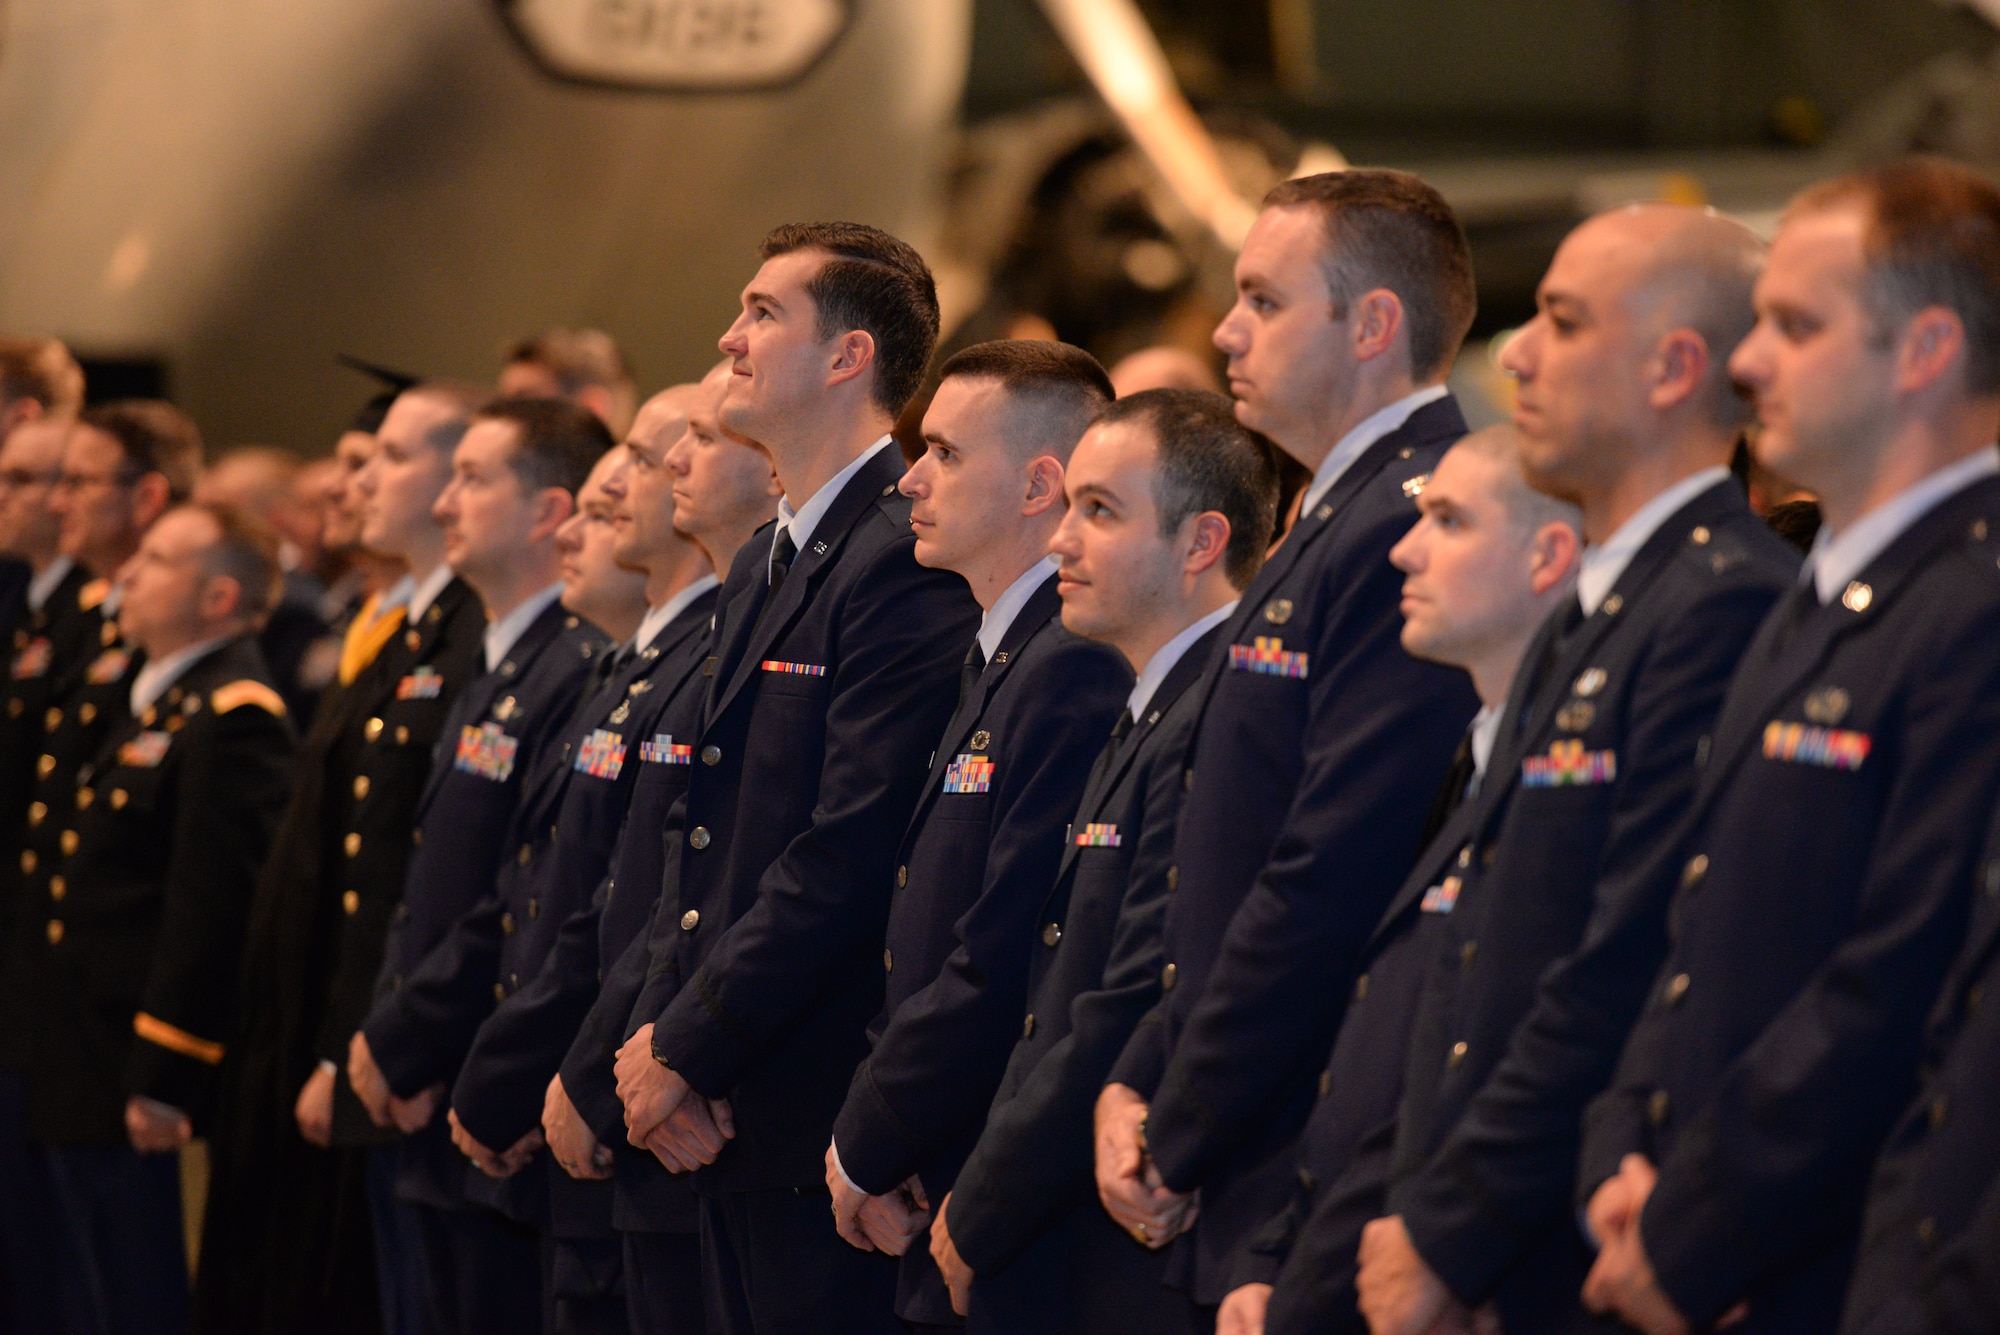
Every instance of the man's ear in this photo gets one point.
(1679, 364)
(1045, 486)
(221, 596)
(1553, 556)
(1932, 342)
(151, 495)
(1207, 542)
(853, 353)
(1376, 317)
(552, 508)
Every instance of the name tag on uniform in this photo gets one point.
(1568, 765)
(1442, 897)
(486, 751)
(33, 660)
(1808, 744)
(1097, 836)
(1268, 657)
(602, 755)
(662, 751)
(422, 684)
(969, 774)
(107, 667)
(793, 669)
(145, 751)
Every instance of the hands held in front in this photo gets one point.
(154, 1127)
(1401, 1295)
(957, 1274)
(1242, 1312)
(887, 1223)
(1127, 1182)
(663, 1113)
(408, 1116)
(1622, 1281)
(501, 1165)
(570, 1139)
(314, 1106)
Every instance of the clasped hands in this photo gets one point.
(154, 1127)
(408, 1116)
(886, 1223)
(1622, 1281)
(664, 1114)
(1134, 1195)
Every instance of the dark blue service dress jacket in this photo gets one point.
(1930, 1248)
(439, 969)
(824, 709)
(1824, 895)
(1318, 749)
(564, 835)
(1024, 1212)
(971, 878)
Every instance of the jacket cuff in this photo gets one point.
(172, 1066)
(693, 1037)
(1144, 1060)
(877, 1149)
(396, 1043)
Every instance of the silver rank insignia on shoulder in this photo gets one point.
(1591, 682)
(1827, 704)
(1278, 611)
(1576, 715)
(981, 740)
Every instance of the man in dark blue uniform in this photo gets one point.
(718, 490)
(1829, 855)
(132, 919)
(837, 661)
(654, 597)
(1035, 704)
(1319, 742)
(1930, 1245)
(1171, 505)
(1484, 566)
(1625, 404)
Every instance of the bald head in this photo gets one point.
(1678, 267)
(662, 418)
(1163, 367)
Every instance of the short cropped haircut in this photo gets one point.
(245, 550)
(560, 442)
(1207, 460)
(1933, 239)
(1064, 386)
(1388, 229)
(1527, 509)
(575, 358)
(155, 437)
(875, 283)
(43, 370)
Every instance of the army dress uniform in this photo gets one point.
(832, 684)
(971, 876)
(1824, 894)
(440, 967)
(565, 833)
(132, 931)
(1024, 1210)
(1930, 1250)
(1314, 761)
(288, 1234)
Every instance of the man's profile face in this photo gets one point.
(95, 500)
(165, 581)
(593, 578)
(644, 508)
(968, 486)
(721, 482)
(484, 509)
(779, 363)
(401, 479)
(31, 459)
(1117, 570)
(1467, 567)
(1291, 362)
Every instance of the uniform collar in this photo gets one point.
(1836, 558)
(1484, 730)
(659, 618)
(158, 674)
(994, 625)
(801, 522)
(1605, 562)
(1163, 659)
(423, 592)
(44, 581)
(1356, 442)
(502, 635)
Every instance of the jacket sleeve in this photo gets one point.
(824, 903)
(1034, 1161)
(237, 778)
(1381, 731)
(934, 1067)
(587, 1068)
(1507, 1173)
(501, 1086)
(1959, 1288)
(1794, 1123)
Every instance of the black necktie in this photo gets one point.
(783, 552)
(968, 676)
(1456, 780)
(1122, 726)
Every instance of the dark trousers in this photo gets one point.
(663, 1283)
(482, 1271)
(583, 1290)
(772, 1265)
(120, 1256)
(1083, 1277)
(27, 1299)
(399, 1249)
